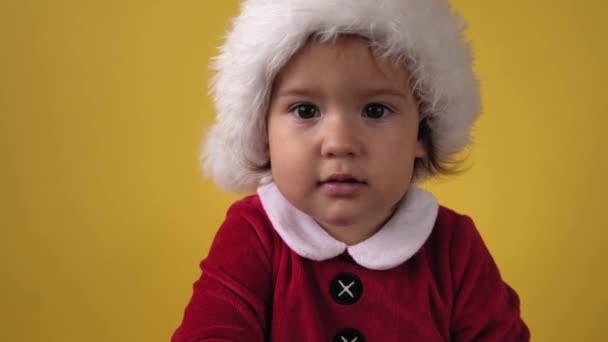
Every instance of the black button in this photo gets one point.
(346, 288)
(348, 335)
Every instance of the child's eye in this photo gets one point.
(305, 111)
(376, 110)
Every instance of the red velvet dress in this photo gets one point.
(256, 287)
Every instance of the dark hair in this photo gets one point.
(431, 163)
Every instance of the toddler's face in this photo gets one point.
(342, 129)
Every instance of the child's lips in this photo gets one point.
(342, 178)
(341, 188)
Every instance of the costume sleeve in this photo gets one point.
(485, 307)
(230, 301)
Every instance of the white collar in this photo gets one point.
(400, 238)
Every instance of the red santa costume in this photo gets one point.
(273, 273)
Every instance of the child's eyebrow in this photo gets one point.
(385, 92)
(370, 92)
(305, 92)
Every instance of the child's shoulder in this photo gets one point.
(249, 205)
(454, 227)
(245, 233)
(451, 219)
(249, 211)
(247, 216)
(456, 232)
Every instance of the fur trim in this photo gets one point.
(425, 33)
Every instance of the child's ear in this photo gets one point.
(420, 149)
(267, 150)
(423, 143)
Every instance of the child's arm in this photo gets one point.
(231, 299)
(485, 307)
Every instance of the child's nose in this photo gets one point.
(341, 137)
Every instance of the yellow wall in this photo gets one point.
(104, 216)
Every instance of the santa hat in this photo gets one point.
(426, 34)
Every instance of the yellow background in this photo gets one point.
(104, 215)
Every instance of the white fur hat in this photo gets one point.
(424, 33)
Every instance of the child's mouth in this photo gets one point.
(341, 185)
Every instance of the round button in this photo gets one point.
(346, 288)
(349, 335)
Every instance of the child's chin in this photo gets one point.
(342, 218)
